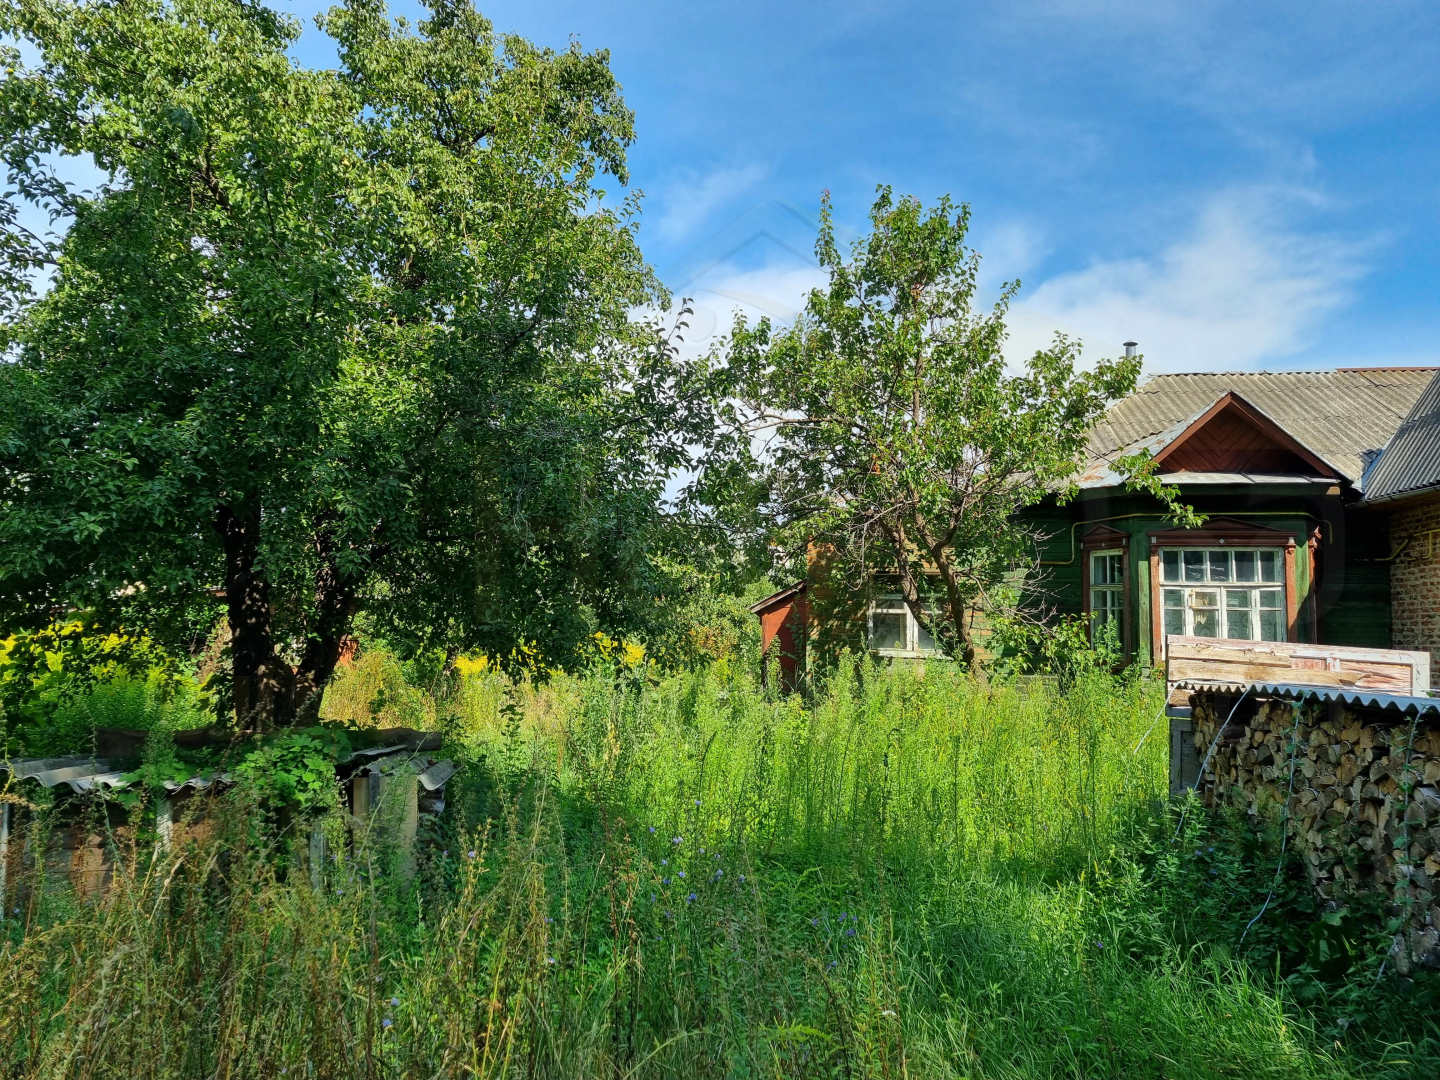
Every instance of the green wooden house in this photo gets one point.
(1275, 460)
(1288, 551)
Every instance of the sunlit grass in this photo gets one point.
(914, 876)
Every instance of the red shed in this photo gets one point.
(783, 615)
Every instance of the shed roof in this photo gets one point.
(1341, 414)
(1410, 461)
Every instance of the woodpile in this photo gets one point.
(1364, 809)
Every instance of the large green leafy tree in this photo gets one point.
(331, 340)
(883, 429)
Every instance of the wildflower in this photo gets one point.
(887, 1012)
(690, 898)
(664, 862)
(682, 873)
(677, 840)
(850, 932)
(697, 802)
(386, 1022)
(668, 914)
(719, 874)
(443, 853)
(1099, 944)
(339, 892)
(814, 922)
(717, 857)
(394, 1003)
(664, 881)
(472, 854)
(548, 919)
(742, 879)
(1214, 871)
(702, 851)
(652, 830)
(843, 916)
(652, 897)
(833, 963)
(549, 959)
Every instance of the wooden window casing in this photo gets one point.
(1221, 534)
(1098, 540)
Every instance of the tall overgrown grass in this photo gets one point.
(919, 874)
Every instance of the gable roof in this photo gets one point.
(1410, 462)
(1337, 415)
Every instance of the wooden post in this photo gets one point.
(4, 853)
(360, 796)
(164, 824)
(317, 855)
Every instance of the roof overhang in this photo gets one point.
(1162, 445)
(776, 599)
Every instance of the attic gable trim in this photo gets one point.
(1257, 416)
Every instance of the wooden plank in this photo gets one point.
(1228, 653)
(1221, 660)
(1203, 671)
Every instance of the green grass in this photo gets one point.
(919, 876)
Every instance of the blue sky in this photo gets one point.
(1234, 185)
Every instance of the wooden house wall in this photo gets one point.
(1353, 604)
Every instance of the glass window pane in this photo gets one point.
(1117, 569)
(1207, 623)
(1272, 627)
(888, 630)
(1238, 598)
(1205, 598)
(1194, 565)
(1170, 565)
(1270, 598)
(1175, 598)
(924, 640)
(1237, 624)
(1219, 565)
(1269, 565)
(1244, 566)
(1105, 569)
(1174, 620)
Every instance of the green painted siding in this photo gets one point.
(1354, 589)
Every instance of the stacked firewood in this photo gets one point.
(1364, 806)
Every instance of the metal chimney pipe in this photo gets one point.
(1130, 348)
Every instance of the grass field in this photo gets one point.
(920, 875)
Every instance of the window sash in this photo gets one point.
(899, 628)
(1107, 589)
(1234, 613)
(1222, 566)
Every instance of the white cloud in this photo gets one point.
(1241, 290)
(690, 202)
(776, 290)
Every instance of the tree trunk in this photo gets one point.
(335, 603)
(264, 685)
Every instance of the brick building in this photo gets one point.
(1403, 484)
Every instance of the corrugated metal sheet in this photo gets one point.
(1340, 414)
(1411, 460)
(1366, 699)
(83, 773)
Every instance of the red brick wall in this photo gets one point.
(1415, 578)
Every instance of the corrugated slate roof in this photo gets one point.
(1411, 460)
(1339, 414)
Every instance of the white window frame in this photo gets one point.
(1224, 592)
(1115, 610)
(891, 605)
